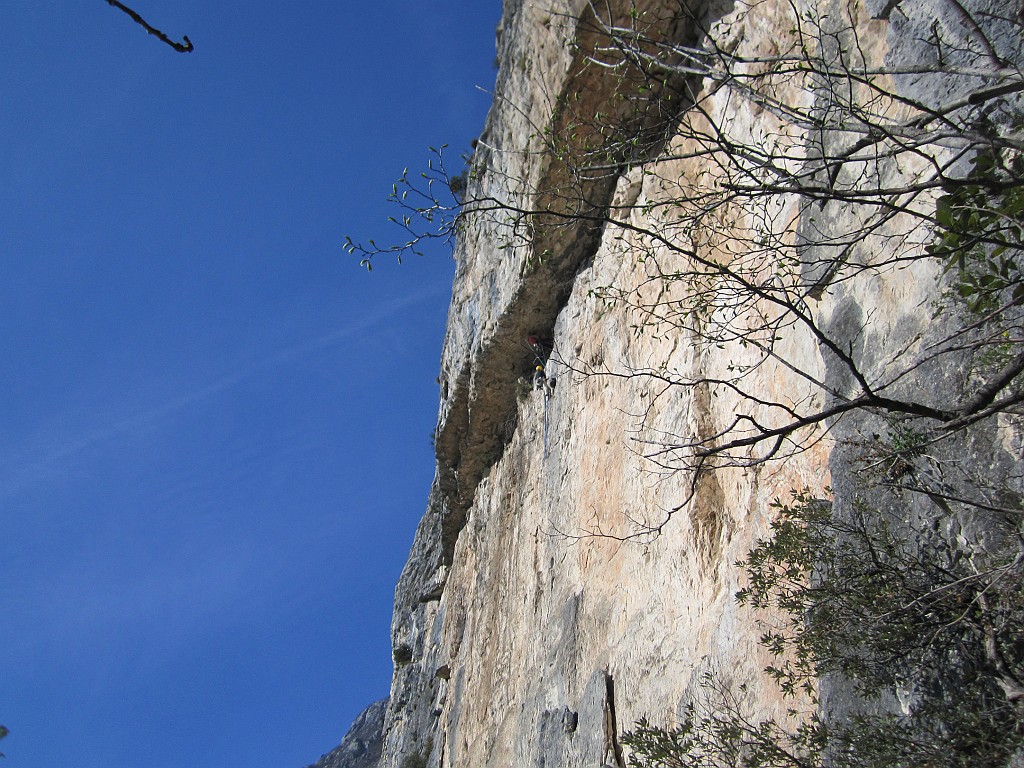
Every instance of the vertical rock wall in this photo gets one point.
(527, 632)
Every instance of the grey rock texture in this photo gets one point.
(361, 747)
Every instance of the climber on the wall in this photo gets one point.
(539, 379)
(541, 348)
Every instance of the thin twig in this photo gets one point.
(183, 47)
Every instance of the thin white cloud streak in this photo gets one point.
(18, 472)
(87, 614)
(196, 585)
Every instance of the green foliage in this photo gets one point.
(717, 734)
(420, 757)
(415, 760)
(933, 623)
(458, 183)
(893, 458)
(906, 442)
(980, 231)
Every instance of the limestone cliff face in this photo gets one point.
(526, 631)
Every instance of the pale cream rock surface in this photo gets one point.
(527, 632)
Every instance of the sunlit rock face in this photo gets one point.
(570, 576)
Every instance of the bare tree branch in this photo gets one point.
(185, 46)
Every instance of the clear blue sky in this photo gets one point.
(214, 426)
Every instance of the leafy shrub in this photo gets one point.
(933, 624)
(980, 231)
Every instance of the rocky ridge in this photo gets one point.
(362, 744)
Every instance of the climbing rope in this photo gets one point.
(541, 350)
(546, 398)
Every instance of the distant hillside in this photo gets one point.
(361, 746)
